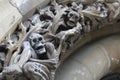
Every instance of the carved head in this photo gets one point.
(35, 19)
(74, 6)
(37, 43)
(73, 18)
(46, 15)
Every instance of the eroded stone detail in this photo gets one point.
(33, 50)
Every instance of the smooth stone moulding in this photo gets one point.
(92, 61)
(82, 1)
(9, 18)
(28, 7)
(111, 1)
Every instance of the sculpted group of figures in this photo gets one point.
(32, 51)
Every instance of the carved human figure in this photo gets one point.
(37, 59)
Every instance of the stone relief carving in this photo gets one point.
(32, 51)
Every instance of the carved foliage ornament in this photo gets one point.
(33, 51)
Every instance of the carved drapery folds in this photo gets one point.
(33, 51)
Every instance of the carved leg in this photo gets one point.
(12, 69)
(36, 71)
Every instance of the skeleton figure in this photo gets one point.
(67, 30)
(69, 21)
(73, 19)
(37, 43)
(37, 59)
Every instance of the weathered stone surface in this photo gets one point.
(92, 61)
(28, 6)
(9, 18)
(83, 1)
(64, 29)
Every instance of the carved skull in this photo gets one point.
(73, 18)
(37, 42)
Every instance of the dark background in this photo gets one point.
(115, 76)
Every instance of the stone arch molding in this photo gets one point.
(49, 31)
